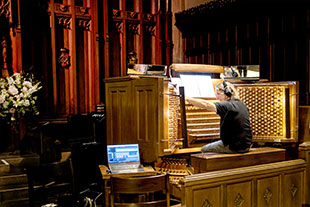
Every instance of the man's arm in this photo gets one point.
(209, 106)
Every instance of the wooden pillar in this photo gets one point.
(138, 37)
(5, 13)
(53, 45)
(106, 38)
(95, 54)
(16, 37)
(154, 53)
(159, 41)
(169, 43)
(122, 7)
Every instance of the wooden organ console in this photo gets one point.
(151, 111)
(148, 110)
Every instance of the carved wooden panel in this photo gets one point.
(293, 188)
(146, 115)
(239, 194)
(268, 191)
(5, 6)
(135, 114)
(304, 129)
(273, 184)
(273, 110)
(146, 107)
(74, 75)
(208, 197)
(304, 153)
(120, 123)
(140, 26)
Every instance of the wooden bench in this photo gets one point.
(207, 162)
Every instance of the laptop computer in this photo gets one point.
(124, 158)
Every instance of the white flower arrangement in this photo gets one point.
(17, 97)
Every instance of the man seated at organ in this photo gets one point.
(235, 127)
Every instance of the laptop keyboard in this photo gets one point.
(129, 170)
(125, 167)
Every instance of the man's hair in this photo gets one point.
(229, 90)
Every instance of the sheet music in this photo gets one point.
(196, 85)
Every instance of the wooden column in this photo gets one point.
(159, 40)
(54, 77)
(154, 53)
(138, 36)
(169, 43)
(16, 37)
(122, 7)
(75, 73)
(95, 91)
(5, 35)
(106, 38)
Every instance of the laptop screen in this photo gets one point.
(123, 153)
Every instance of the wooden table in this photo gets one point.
(148, 171)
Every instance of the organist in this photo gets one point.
(235, 127)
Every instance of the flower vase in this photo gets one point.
(16, 135)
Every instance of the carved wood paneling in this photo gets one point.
(135, 114)
(64, 22)
(95, 49)
(4, 57)
(268, 191)
(84, 24)
(148, 34)
(293, 188)
(274, 40)
(5, 8)
(209, 197)
(134, 28)
(239, 194)
(75, 90)
(274, 184)
(119, 111)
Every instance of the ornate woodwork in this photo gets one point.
(10, 38)
(273, 110)
(304, 153)
(267, 195)
(97, 36)
(73, 43)
(4, 45)
(274, 184)
(139, 26)
(236, 32)
(64, 58)
(135, 113)
(5, 8)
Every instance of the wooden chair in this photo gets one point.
(147, 191)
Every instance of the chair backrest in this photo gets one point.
(140, 191)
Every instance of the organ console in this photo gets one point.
(151, 110)
(148, 110)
